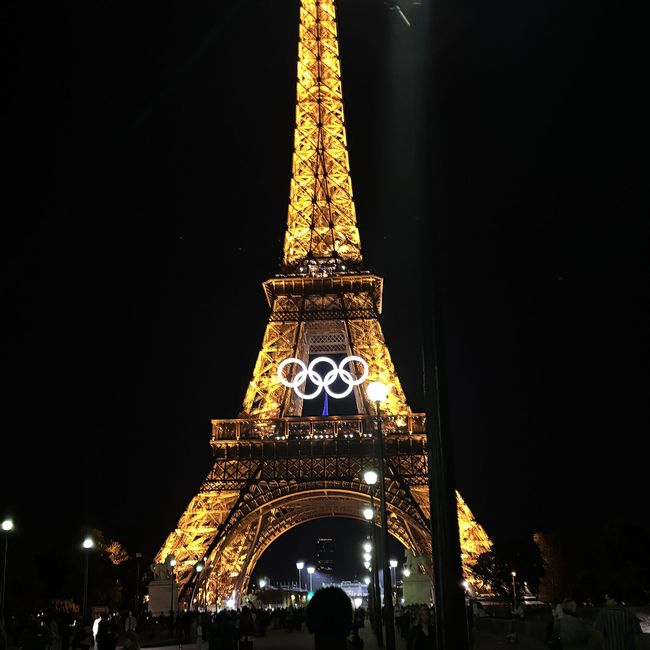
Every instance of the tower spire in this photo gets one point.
(322, 232)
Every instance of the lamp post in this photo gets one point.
(300, 566)
(393, 572)
(87, 544)
(310, 571)
(377, 393)
(7, 526)
(171, 563)
(137, 584)
(514, 592)
(370, 478)
(393, 566)
(200, 566)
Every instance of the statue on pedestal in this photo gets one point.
(161, 571)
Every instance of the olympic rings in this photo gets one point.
(322, 382)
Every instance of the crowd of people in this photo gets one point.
(228, 629)
(329, 616)
(617, 625)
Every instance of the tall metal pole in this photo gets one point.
(4, 579)
(375, 577)
(85, 598)
(449, 600)
(389, 617)
(137, 585)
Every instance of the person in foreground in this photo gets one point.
(329, 619)
(569, 629)
(618, 625)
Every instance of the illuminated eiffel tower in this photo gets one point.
(276, 467)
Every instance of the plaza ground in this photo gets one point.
(303, 640)
(484, 639)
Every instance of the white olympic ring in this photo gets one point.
(323, 382)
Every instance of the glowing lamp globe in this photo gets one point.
(393, 563)
(368, 513)
(377, 391)
(88, 543)
(7, 525)
(300, 566)
(370, 477)
(310, 570)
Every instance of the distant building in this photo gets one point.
(325, 555)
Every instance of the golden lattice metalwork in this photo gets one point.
(273, 467)
(321, 221)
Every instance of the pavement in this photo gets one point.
(303, 640)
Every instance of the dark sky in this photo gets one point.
(146, 155)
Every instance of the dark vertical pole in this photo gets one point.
(4, 580)
(375, 577)
(85, 598)
(451, 629)
(432, 32)
(137, 586)
(388, 589)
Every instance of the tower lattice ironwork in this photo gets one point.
(275, 468)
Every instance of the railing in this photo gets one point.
(305, 428)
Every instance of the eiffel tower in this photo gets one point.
(275, 466)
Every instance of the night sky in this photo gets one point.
(146, 153)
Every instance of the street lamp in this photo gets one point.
(310, 571)
(377, 393)
(370, 478)
(199, 567)
(171, 563)
(514, 592)
(7, 526)
(137, 584)
(393, 566)
(262, 583)
(300, 566)
(87, 544)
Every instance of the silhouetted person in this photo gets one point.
(246, 626)
(569, 628)
(105, 635)
(130, 623)
(618, 625)
(329, 618)
(65, 632)
(421, 636)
